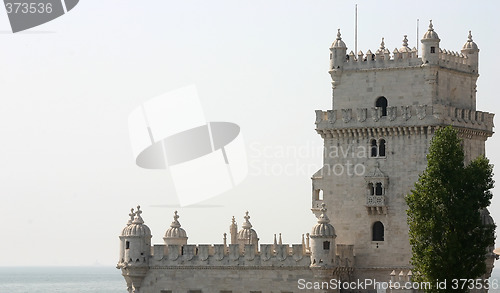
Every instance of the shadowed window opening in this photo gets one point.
(373, 147)
(382, 103)
(378, 231)
(381, 148)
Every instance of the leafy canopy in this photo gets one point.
(447, 236)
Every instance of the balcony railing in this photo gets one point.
(376, 204)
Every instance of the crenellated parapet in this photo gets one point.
(403, 58)
(218, 255)
(401, 120)
(447, 59)
(456, 61)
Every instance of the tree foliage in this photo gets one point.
(448, 238)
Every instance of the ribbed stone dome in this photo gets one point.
(137, 230)
(175, 230)
(247, 233)
(323, 228)
(405, 48)
(470, 45)
(338, 43)
(430, 33)
(135, 225)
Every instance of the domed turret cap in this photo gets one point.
(338, 43)
(470, 45)
(247, 232)
(405, 48)
(430, 33)
(175, 230)
(135, 226)
(323, 228)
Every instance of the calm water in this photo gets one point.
(61, 280)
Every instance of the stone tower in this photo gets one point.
(135, 251)
(376, 137)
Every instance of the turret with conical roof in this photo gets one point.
(471, 50)
(175, 235)
(337, 58)
(430, 46)
(135, 250)
(247, 235)
(323, 241)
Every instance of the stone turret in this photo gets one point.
(323, 241)
(175, 235)
(471, 50)
(247, 235)
(135, 251)
(337, 59)
(430, 46)
(233, 230)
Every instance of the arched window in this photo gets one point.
(373, 147)
(378, 231)
(378, 188)
(382, 103)
(381, 148)
(371, 188)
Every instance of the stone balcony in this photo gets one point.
(376, 204)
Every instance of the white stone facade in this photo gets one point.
(385, 110)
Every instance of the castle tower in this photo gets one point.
(430, 46)
(135, 251)
(175, 235)
(376, 138)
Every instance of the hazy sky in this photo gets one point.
(68, 177)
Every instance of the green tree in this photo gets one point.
(448, 238)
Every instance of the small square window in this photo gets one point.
(433, 49)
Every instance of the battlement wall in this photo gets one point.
(409, 115)
(219, 255)
(384, 60)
